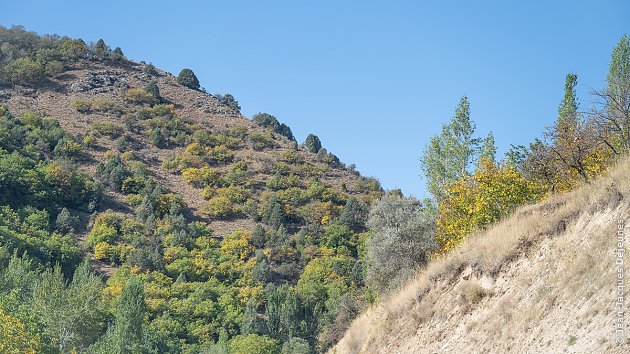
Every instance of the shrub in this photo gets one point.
(109, 129)
(201, 177)
(188, 78)
(403, 235)
(102, 231)
(312, 143)
(101, 251)
(65, 221)
(138, 96)
(268, 121)
(354, 215)
(220, 207)
(153, 89)
(228, 100)
(81, 106)
(296, 346)
(471, 202)
(260, 141)
(252, 344)
(26, 71)
(220, 154)
(238, 245)
(67, 147)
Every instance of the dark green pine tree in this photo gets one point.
(188, 78)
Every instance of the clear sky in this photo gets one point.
(374, 80)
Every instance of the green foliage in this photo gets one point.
(229, 101)
(448, 155)
(261, 141)
(252, 344)
(296, 346)
(403, 236)
(312, 143)
(354, 215)
(488, 149)
(153, 89)
(188, 78)
(65, 221)
(110, 129)
(139, 96)
(266, 120)
(26, 71)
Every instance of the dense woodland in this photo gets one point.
(318, 254)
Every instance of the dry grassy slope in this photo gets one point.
(55, 98)
(542, 281)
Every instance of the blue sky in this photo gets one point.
(374, 80)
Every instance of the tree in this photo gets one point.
(574, 142)
(488, 149)
(26, 71)
(448, 155)
(312, 143)
(403, 236)
(14, 338)
(477, 200)
(117, 55)
(252, 344)
(153, 89)
(249, 324)
(188, 78)
(128, 333)
(72, 315)
(296, 346)
(101, 50)
(354, 215)
(65, 221)
(268, 121)
(614, 115)
(229, 100)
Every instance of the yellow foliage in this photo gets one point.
(14, 339)
(237, 244)
(101, 251)
(480, 199)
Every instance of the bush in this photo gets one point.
(228, 100)
(109, 129)
(266, 120)
(260, 141)
(188, 78)
(312, 143)
(26, 71)
(296, 346)
(475, 201)
(138, 96)
(201, 177)
(403, 235)
(220, 207)
(81, 106)
(153, 89)
(65, 221)
(252, 344)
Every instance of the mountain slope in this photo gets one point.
(224, 230)
(542, 281)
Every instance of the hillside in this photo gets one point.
(114, 172)
(541, 281)
(106, 84)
